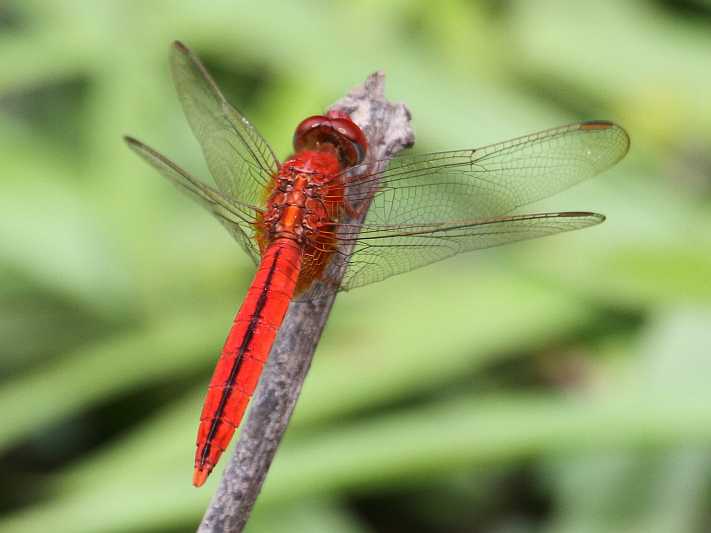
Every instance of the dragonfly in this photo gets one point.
(294, 218)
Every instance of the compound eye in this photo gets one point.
(310, 123)
(354, 136)
(338, 131)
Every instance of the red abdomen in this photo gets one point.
(245, 352)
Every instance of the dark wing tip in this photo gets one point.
(180, 47)
(597, 124)
(136, 145)
(142, 149)
(583, 214)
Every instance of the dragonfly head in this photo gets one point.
(334, 132)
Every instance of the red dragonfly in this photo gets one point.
(291, 217)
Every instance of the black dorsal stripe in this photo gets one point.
(246, 342)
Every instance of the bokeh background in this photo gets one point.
(554, 386)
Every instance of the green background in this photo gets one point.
(554, 386)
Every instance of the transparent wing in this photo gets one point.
(419, 202)
(238, 219)
(383, 251)
(489, 181)
(240, 160)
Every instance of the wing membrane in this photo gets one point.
(383, 251)
(489, 181)
(238, 219)
(239, 159)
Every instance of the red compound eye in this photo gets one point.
(307, 125)
(336, 129)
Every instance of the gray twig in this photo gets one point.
(387, 128)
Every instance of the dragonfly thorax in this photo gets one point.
(297, 207)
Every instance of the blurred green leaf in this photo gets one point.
(577, 364)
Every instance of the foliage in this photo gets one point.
(555, 386)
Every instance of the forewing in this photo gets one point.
(240, 160)
(490, 181)
(384, 251)
(238, 219)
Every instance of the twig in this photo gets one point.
(387, 128)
